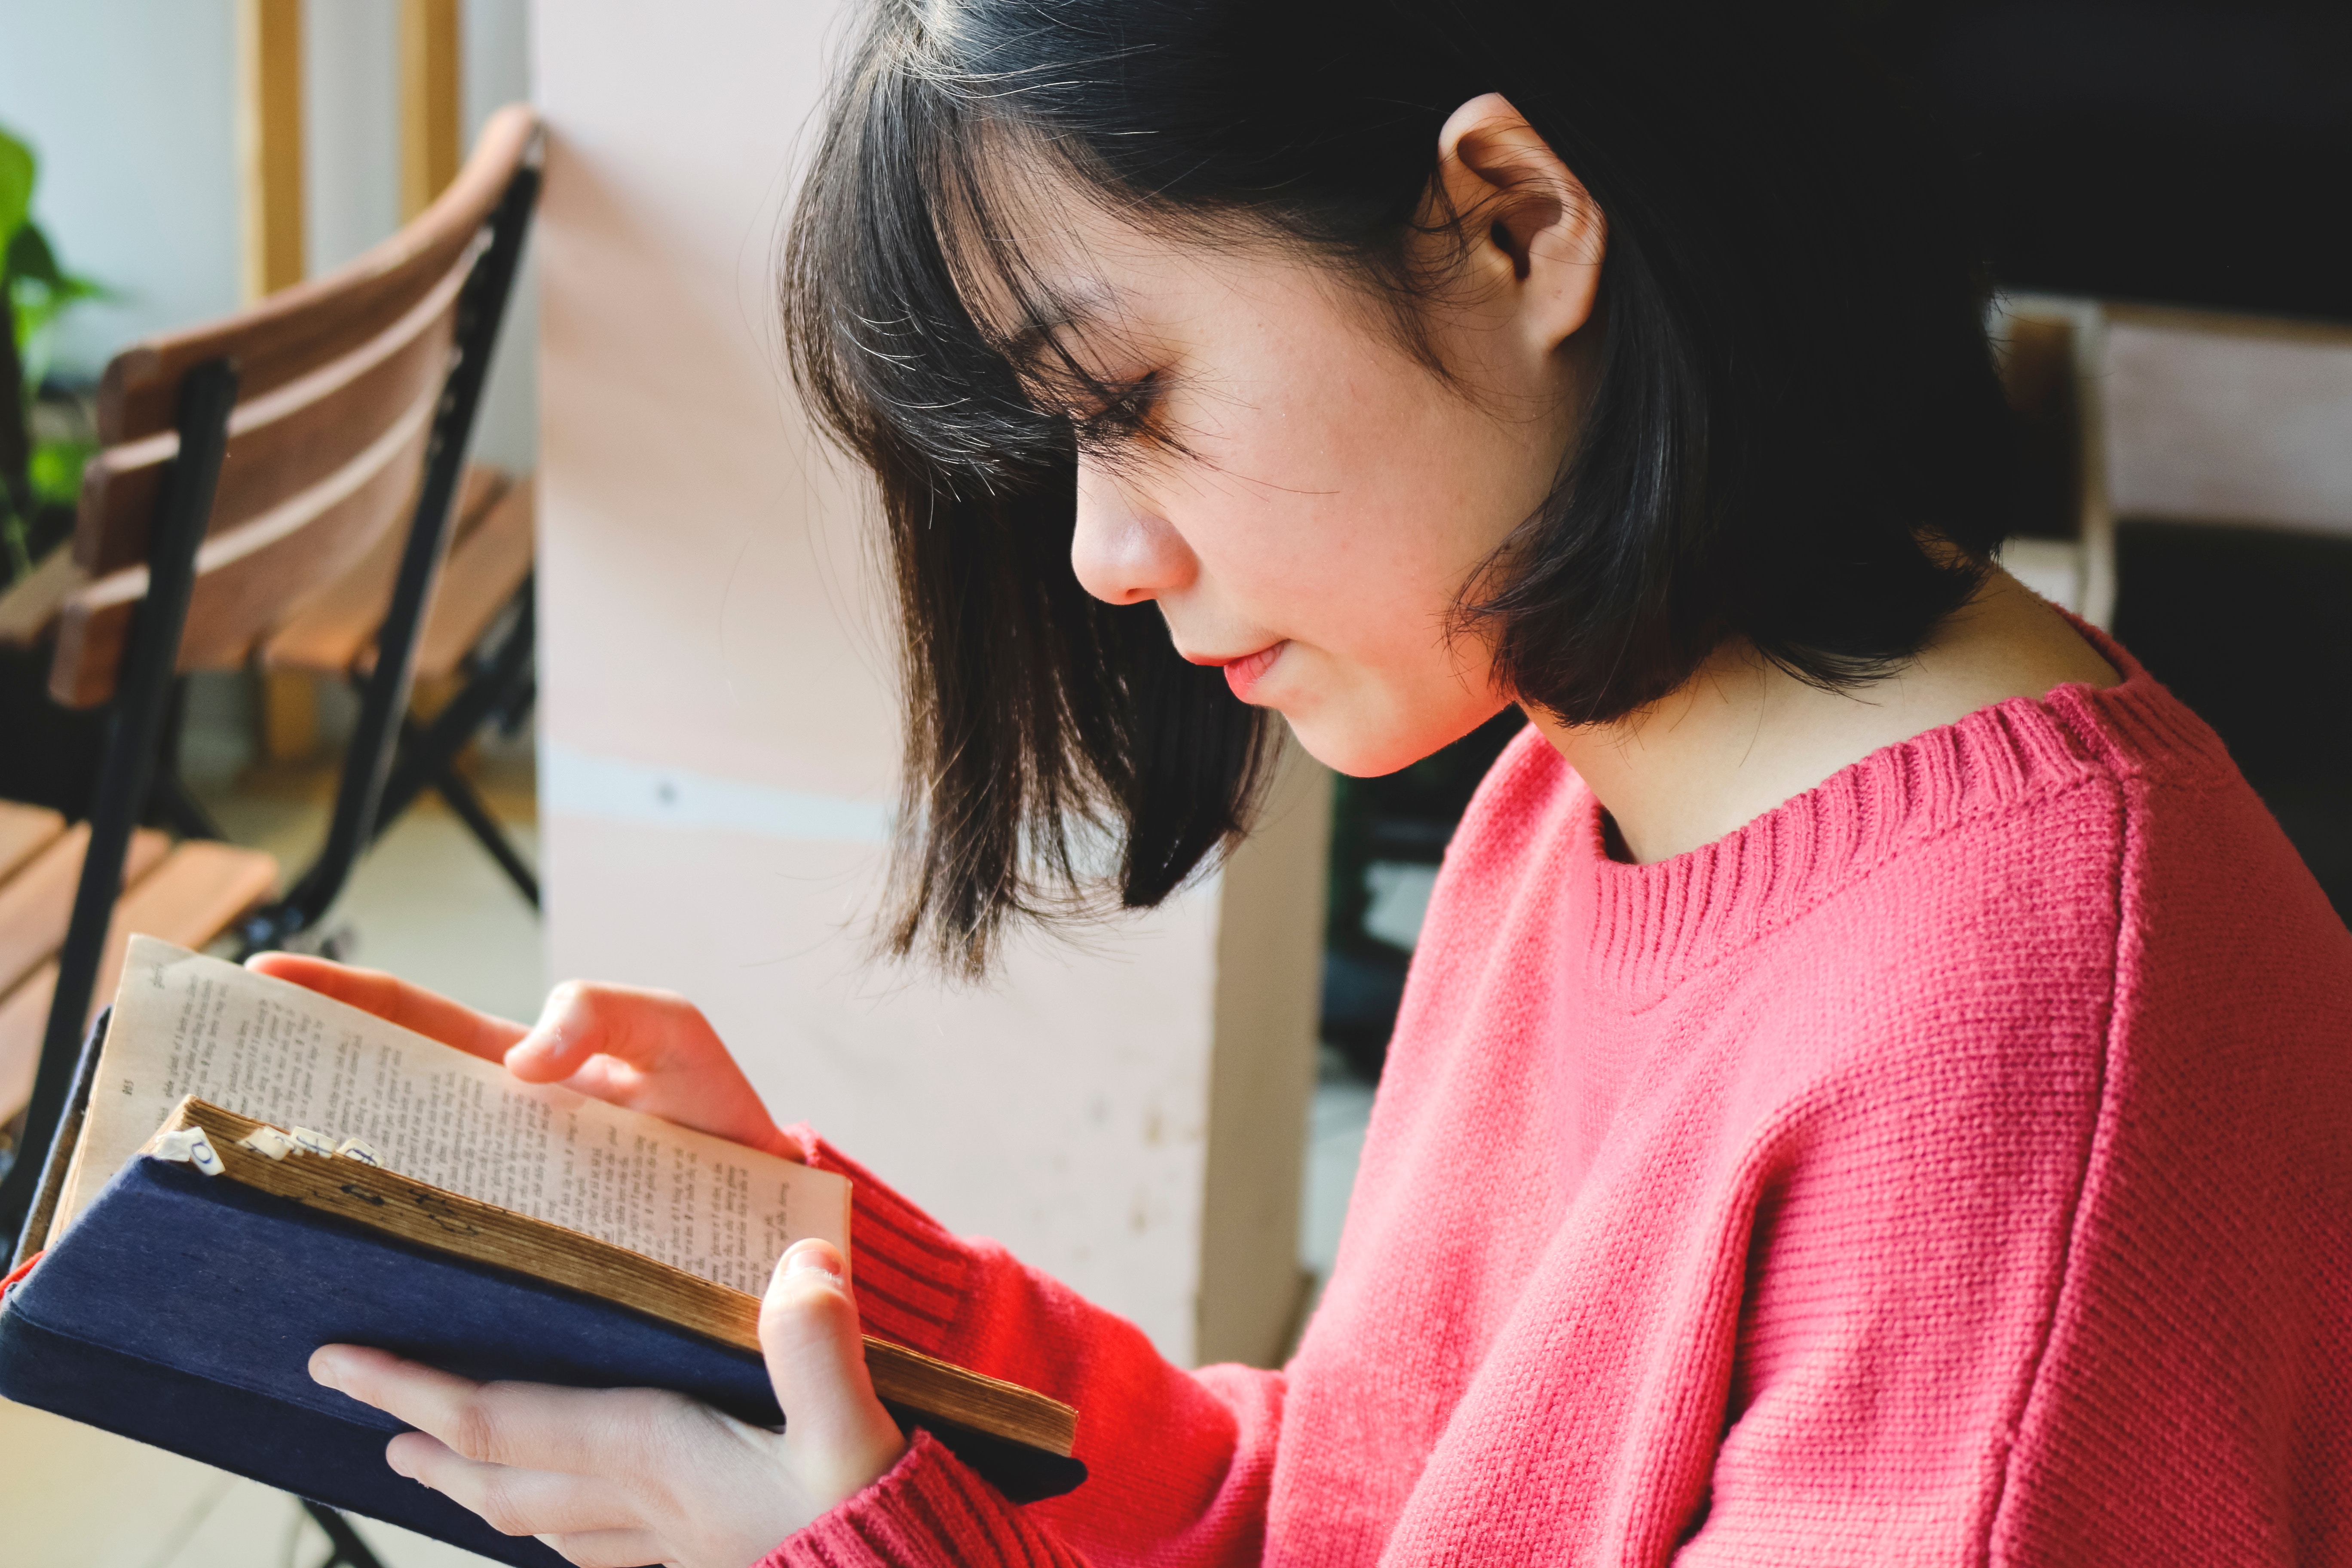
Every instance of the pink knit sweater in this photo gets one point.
(1953, 1165)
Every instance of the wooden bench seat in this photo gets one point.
(30, 608)
(486, 567)
(25, 832)
(192, 893)
(36, 902)
(187, 894)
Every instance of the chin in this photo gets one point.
(1365, 726)
(1368, 751)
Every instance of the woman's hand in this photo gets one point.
(650, 1051)
(617, 1478)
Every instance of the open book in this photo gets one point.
(185, 1025)
(237, 1134)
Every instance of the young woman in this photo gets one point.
(1875, 1085)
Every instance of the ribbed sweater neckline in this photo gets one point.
(1654, 925)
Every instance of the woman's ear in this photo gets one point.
(1531, 234)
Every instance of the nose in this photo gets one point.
(1125, 553)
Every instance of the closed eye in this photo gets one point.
(1123, 417)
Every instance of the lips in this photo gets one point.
(1243, 673)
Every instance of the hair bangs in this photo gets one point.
(1795, 402)
(1041, 724)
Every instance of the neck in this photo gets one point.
(1743, 735)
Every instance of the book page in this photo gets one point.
(273, 1051)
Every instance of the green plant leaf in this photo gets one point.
(56, 470)
(17, 169)
(30, 260)
(38, 291)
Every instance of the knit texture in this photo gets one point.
(1953, 1165)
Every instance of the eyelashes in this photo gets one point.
(1125, 416)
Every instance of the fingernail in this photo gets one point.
(806, 1257)
(323, 1371)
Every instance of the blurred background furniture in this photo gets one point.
(2229, 472)
(473, 662)
(2049, 350)
(246, 467)
(2189, 487)
(2186, 484)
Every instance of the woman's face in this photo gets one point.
(1303, 498)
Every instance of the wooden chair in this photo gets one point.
(2064, 547)
(2216, 418)
(475, 654)
(245, 467)
(2227, 446)
(2139, 415)
(2193, 476)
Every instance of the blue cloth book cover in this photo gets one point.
(176, 1299)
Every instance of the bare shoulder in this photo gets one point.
(2006, 642)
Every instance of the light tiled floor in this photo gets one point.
(73, 1497)
(427, 903)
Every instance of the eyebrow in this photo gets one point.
(1082, 308)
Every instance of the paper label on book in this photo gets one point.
(278, 1052)
(189, 1146)
(268, 1143)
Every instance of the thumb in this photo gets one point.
(839, 1437)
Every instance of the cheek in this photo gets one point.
(1340, 499)
(1345, 513)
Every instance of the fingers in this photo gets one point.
(587, 1519)
(610, 1548)
(534, 1425)
(512, 1500)
(389, 996)
(841, 1439)
(650, 1050)
(649, 1030)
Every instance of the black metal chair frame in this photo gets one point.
(500, 688)
(140, 730)
(140, 769)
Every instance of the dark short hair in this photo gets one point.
(1793, 389)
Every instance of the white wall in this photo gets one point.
(130, 105)
(720, 737)
(351, 127)
(496, 54)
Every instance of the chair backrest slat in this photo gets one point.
(243, 574)
(339, 379)
(281, 443)
(2228, 420)
(286, 336)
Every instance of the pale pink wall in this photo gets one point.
(718, 730)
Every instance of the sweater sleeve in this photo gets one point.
(2073, 1283)
(1179, 1463)
(1906, 1239)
